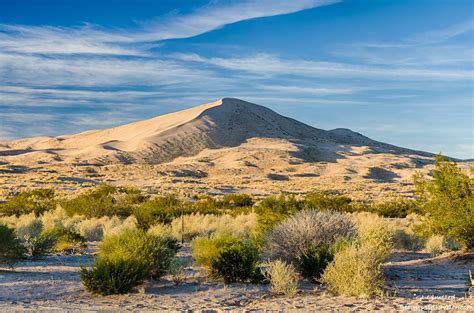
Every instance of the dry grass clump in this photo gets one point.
(306, 229)
(283, 278)
(208, 224)
(439, 244)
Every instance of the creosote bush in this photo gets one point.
(66, 240)
(448, 202)
(35, 201)
(295, 235)
(283, 278)
(205, 250)
(236, 262)
(106, 277)
(313, 262)
(11, 249)
(155, 253)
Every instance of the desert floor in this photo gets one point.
(416, 282)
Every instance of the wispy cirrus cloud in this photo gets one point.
(93, 39)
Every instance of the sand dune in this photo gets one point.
(221, 124)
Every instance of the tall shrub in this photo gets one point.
(448, 201)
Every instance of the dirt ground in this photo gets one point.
(416, 281)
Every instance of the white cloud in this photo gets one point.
(269, 65)
(92, 39)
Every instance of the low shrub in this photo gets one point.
(177, 270)
(66, 240)
(407, 240)
(11, 249)
(283, 278)
(92, 229)
(29, 230)
(205, 250)
(295, 235)
(236, 262)
(113, 276)
(355, 271)
(105, 200)
(327, 201)
(376, 235)
(155, 253)
(438, 244)
(314, 261)
(34, 201)
(160, 209)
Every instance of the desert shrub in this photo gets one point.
(395, 208)
(160, 209)
(115, 225)
(11, 249)
(66, 240)
(283, 278)
(113, 276)
(92, 229)
(376, 235)
(205, 250)
(438, 244)
(327, 201)
(155, 253)
(236, 262)
(29, 230)
(237, 200)
(355, 271)
(33, 201)
(105, 200)
(407, 240)
(357, 267)
(310, 228)
(448, 201)
(313, 262)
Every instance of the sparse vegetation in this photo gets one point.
(66, 240)
(438, 244)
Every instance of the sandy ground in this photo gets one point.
(417, 281)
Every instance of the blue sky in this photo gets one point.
(397, 71)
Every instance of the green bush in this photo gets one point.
(117, 276)
(448, 201)
(105, 200)
(35, 201)
(66, 240)
(327, 201)
(205, 250)
(312, 263)
(155, 253)
(395, 208)
(236, 262)
(11, 249)
(160, 209)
